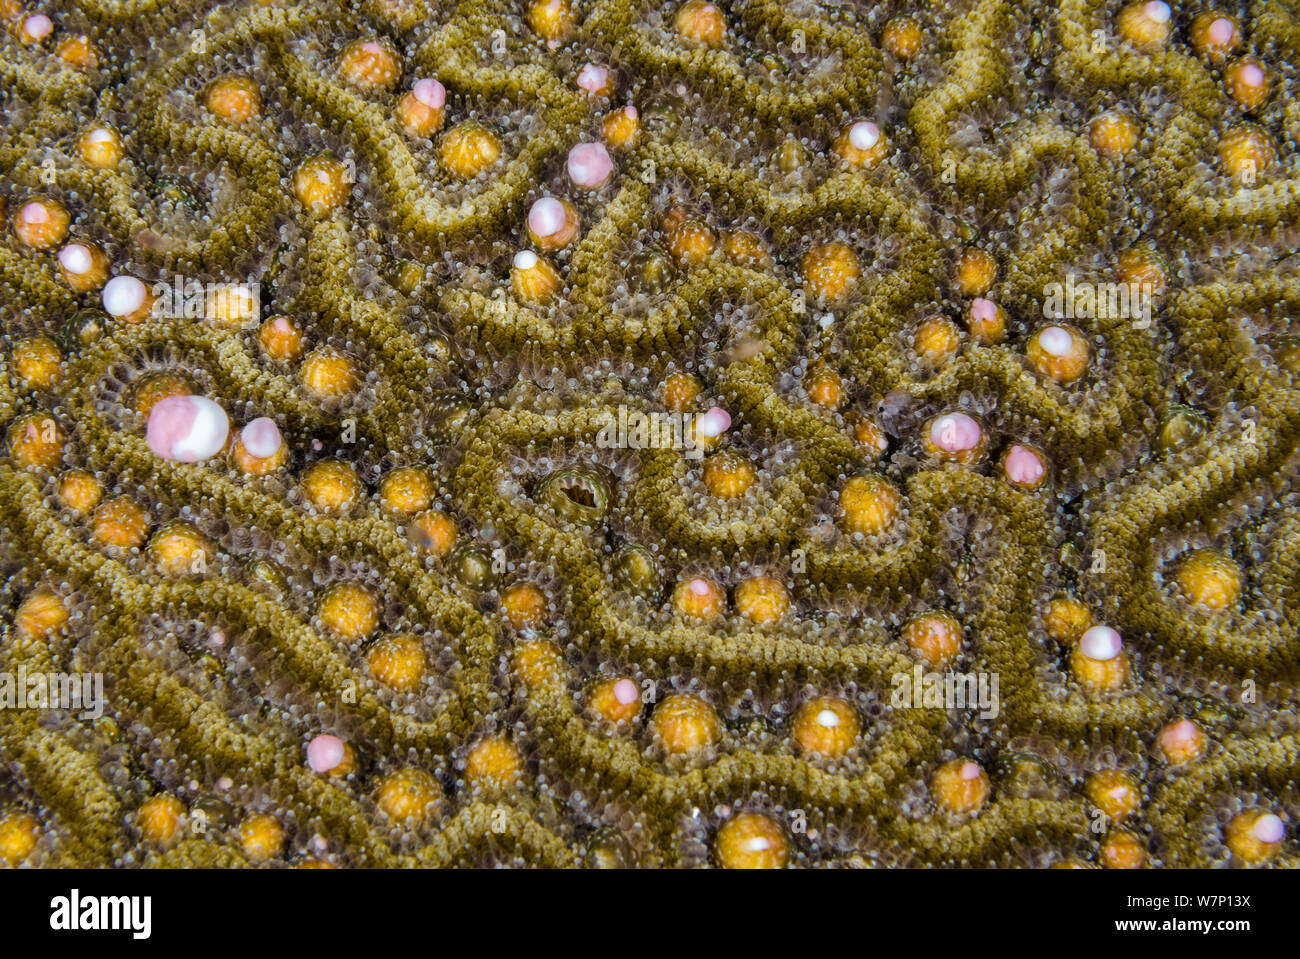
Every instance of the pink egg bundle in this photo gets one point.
(187, 429)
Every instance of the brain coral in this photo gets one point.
(611, 433)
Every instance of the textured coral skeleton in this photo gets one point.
(366, 587)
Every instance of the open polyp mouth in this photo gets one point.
(580, 491)
(577, 493)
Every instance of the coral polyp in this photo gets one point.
(664, 434)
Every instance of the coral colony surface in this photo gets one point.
(595, 432)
